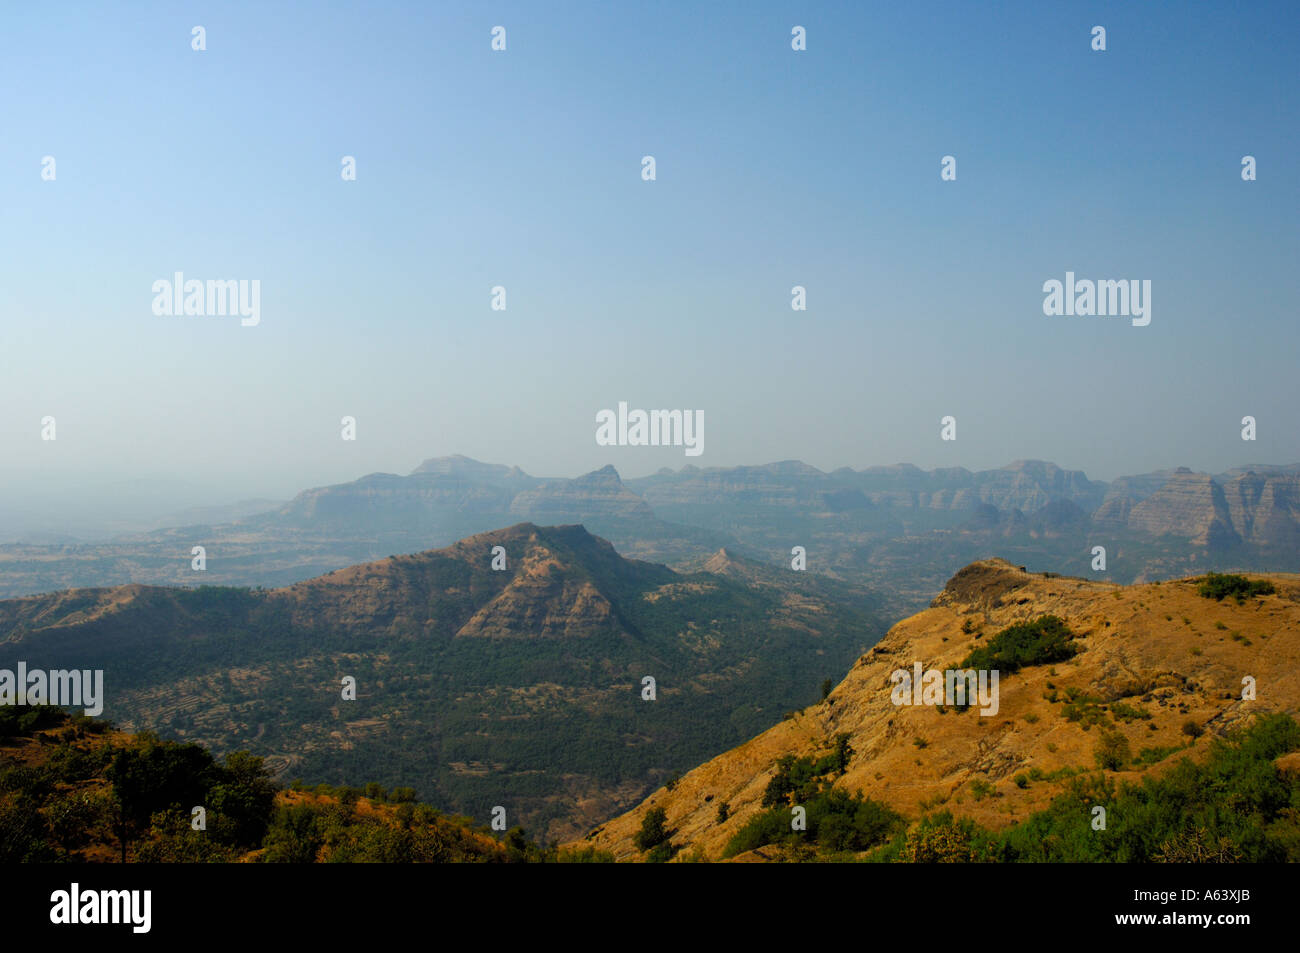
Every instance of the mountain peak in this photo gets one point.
(600, 493)
(607, 473)
(720, 562)
(982, 583)
(459, 465)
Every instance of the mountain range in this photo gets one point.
(899, 529)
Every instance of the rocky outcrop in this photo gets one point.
(597, 494)
(1126, 492)
(1189, 505)
(1265, 510)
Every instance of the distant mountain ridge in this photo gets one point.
(864, 524)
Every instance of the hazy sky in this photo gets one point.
(522, 168)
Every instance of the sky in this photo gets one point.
(522, 168)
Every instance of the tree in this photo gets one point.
(1113, 751)
(243, 800)
(156, 776)
(295, 836)
(654, 829)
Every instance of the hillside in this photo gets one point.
(1158, 665)
(477, 687)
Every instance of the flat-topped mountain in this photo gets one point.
(521, 686)
(1143, 673)
(1025, 485)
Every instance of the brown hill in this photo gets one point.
(1151, 659)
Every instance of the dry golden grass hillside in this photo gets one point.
(1156, 663)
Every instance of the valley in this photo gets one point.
(478, 688)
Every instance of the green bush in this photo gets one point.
(1044, 640)
(584, 855)
(1237, 804)
(838, 822)
(1112, 752)
(941, 839)
(653, 830)
(1125, 712)
(798, 779)
(660, 853)
(1218, 585)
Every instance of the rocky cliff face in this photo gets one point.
(785, 484)
(1029, 485)
(1026, 485)
(1265, 510)
(1189, 504)
(1126, 492)
(386, 501)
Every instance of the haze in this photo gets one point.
(522, 169)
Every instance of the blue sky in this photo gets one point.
(522, 168)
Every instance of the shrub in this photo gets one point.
(1042, 641)
(1085, 709)
(1155, 755)
(1218, 585)
(801, 778)
(1236, 805)
(980, 789)
(941, 839)
(584, 855)
(654, 831)
(661, 853)
(837, 822)
(1126, 712)
(1112, 751)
